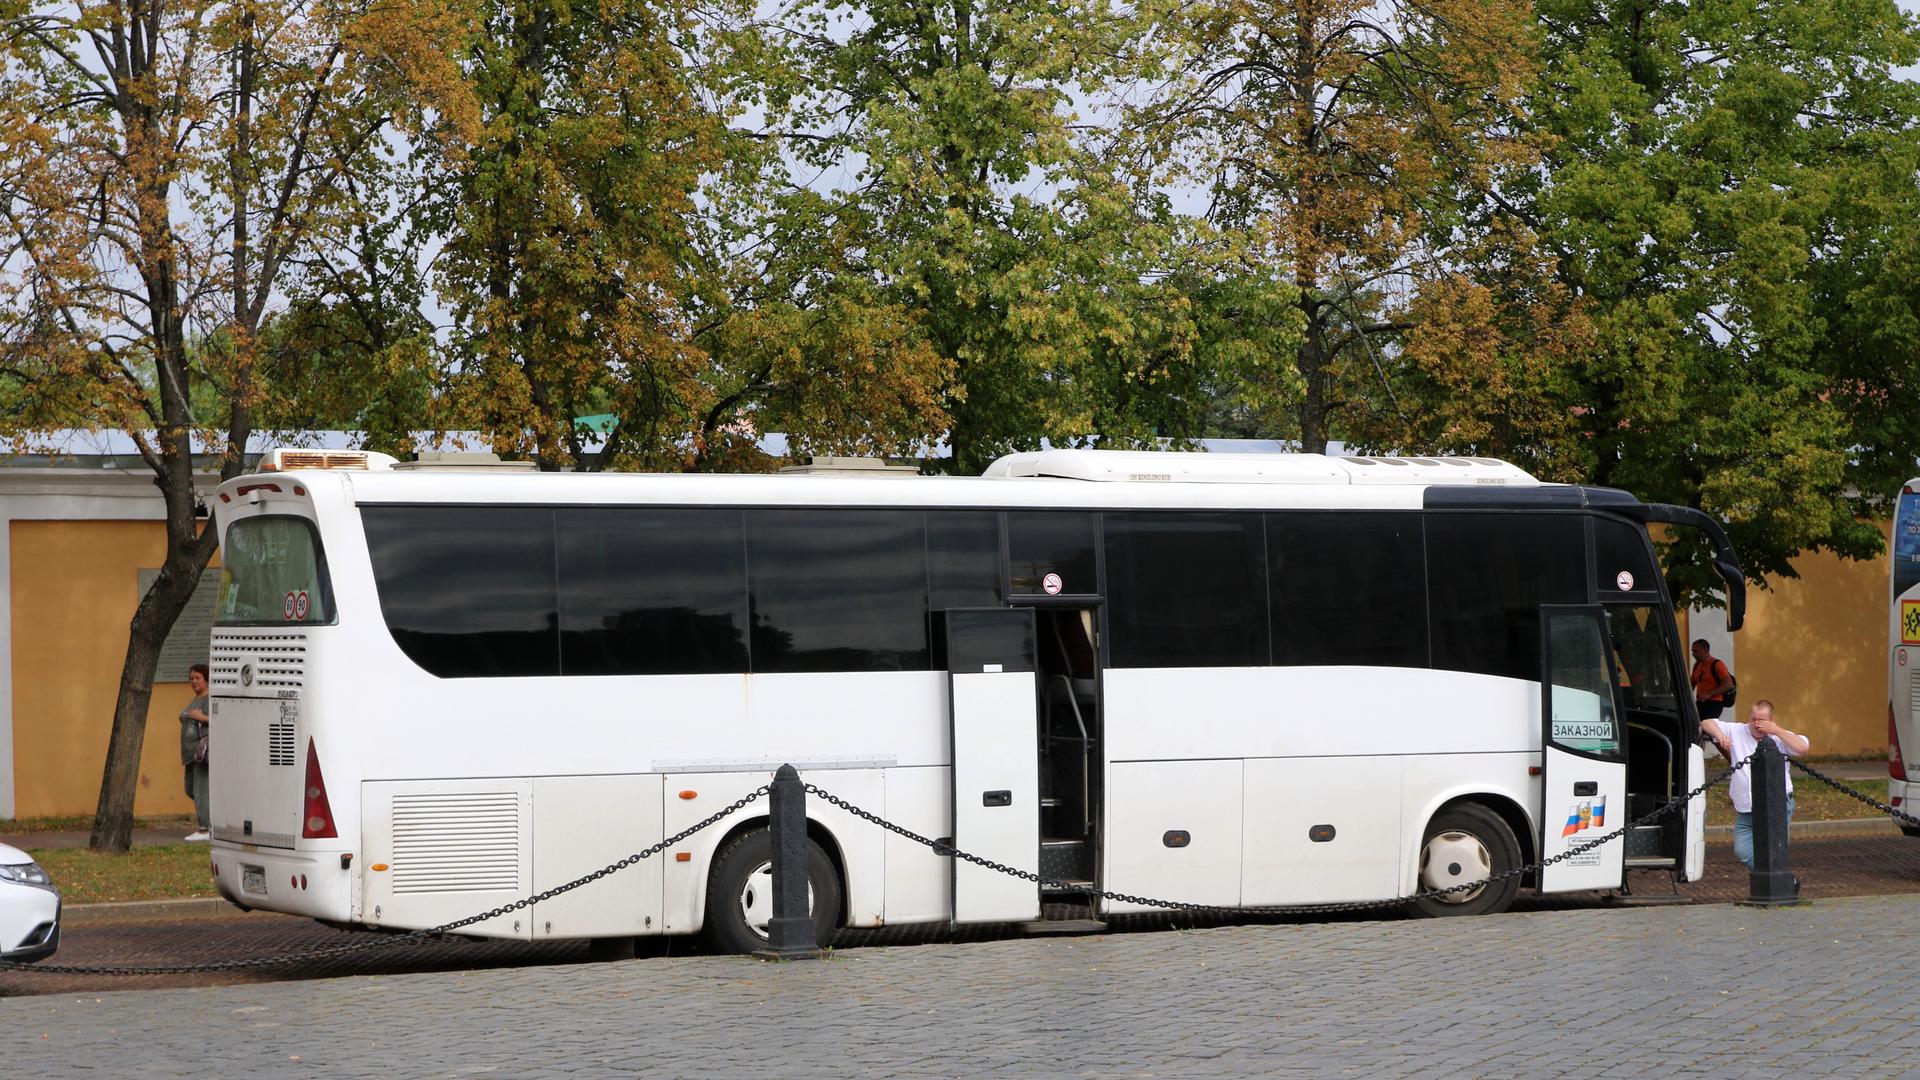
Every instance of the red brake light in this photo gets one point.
(1896, 763)
(316, 813)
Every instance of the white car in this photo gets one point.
(29, 909)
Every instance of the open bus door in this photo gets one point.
(994, 731)
(1583, 761)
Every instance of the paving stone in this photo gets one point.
(1580, 993)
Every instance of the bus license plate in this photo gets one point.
(253, 879)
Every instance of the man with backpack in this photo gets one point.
(1713, 684)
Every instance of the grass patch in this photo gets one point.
(1813, 800)
(165, 872)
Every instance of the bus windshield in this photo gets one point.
(272, 573)
(1906, 544)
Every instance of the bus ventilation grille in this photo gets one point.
(279, 661)
(1913, 692)
(456, 842)
(280, 742)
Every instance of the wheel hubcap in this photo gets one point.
(1455, 858)
(756, 898)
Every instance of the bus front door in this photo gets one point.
(1583, 762)
(994, 737)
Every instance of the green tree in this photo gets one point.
(1730, 192)
(353, 350)
(1349, 143)
(964, 188)
(161, 162)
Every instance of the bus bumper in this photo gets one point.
(311, 883)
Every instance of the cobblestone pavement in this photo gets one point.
(1834, 867)
(1713, 990)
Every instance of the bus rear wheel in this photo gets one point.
(740, 894)
(1467, 843)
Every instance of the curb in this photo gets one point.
(199, 907)
(1877, 826)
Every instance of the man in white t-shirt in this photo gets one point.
(1737, 741)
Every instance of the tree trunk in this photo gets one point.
(159, 608)
(1313, 361)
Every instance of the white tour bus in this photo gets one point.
(1903, 653)
(1227, 679)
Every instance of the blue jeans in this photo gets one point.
(1743, 834)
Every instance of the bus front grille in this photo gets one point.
(258, 662)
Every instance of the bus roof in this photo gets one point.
(1050, 478)
(1162, 466)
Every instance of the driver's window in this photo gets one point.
(1581, 681)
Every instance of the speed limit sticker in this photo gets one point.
(300, 606)
(286, 607)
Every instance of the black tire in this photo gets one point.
(1910, 830)
(1463, 843)
(750, 855)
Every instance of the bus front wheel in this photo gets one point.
(740, 893)
(1466, 844)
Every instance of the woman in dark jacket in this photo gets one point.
(193, 748)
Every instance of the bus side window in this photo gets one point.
(1187, 590)
(652, 591)
(1488, 573)
(837, 590)
(1347, 588)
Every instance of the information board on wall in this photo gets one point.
(188, 643)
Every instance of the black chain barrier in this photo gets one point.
(1852, 793)
(1054, 884)
(1080, 888)
(395, 940)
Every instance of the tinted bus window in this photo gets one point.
(1621, 561)
(837, 590)
(1347, 588)
(1186, 590)
(1488, 574)
(468, 591)
(1043, 543)
(652, 592)
(963, 569)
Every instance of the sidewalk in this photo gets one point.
(77, 838)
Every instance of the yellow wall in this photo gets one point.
(1816, 647)
(75, 585)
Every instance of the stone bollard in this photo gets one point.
(1770, 883)
(790, 931)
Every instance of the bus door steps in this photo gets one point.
(1644, 841)
(1066, 859)
(1067, 917)
(1624, 896)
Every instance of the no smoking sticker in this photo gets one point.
(1051, 583)
(1624, 579)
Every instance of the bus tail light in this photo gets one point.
(1896, 761)
(316, 813)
